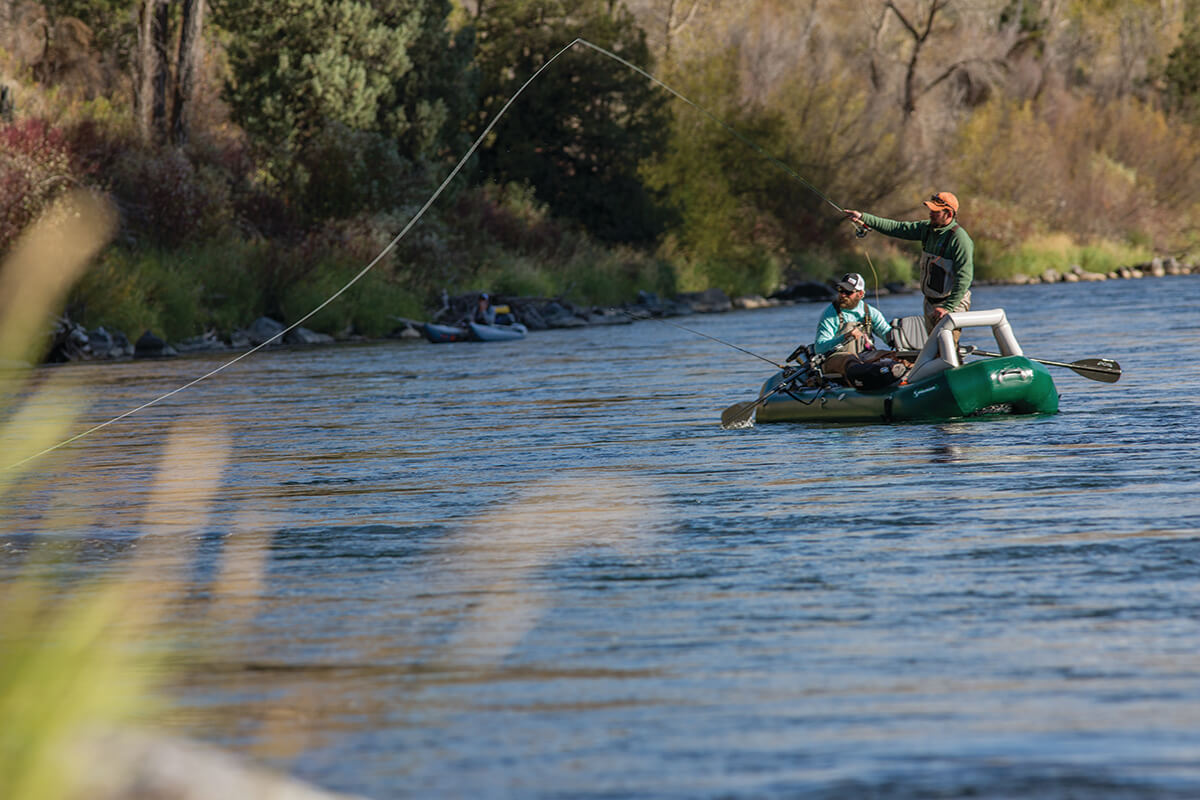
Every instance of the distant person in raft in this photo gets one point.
(846, 330)
(947, 254)
(484, 314)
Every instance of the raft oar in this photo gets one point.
(739, 414)
(1104, 370)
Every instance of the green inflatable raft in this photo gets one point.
(938, 386)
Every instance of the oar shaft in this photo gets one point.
(1105, 366)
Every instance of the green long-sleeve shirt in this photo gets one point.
(958, 247)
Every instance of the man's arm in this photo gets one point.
(827, 333)
(900, 230)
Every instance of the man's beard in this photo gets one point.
(845, 302)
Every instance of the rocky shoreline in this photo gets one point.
(72, 342)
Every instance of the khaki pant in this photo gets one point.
(836, 363)
(931, 320)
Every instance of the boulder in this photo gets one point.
(531, 318)
(264, 329)
(608, 316)
(149, 345)
(205, 342)
(804, 292)
(557, 315)
(709, 301)
(305, 336)
(69, 342)
(109, 345)
(753, 301)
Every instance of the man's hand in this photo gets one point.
(938, 313)
(854, 215)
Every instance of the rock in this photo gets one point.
(753, 301)
(530, 318)
(69, 342)
(264, 329)
(1021, 279)
(558, 316)
(305, 336)
(608, 316)
(149, 345)
(131, 765)
(109, 345)
(1051, 276)
(1070, 277)
(709, 301)
(205, 342)
(804, 291)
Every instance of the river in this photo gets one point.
(541, 569)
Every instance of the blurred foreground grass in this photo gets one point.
(67, 662)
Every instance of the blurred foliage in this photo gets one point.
(65, 664)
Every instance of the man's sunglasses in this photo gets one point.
(844, 291)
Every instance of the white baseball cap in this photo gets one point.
(852, 282)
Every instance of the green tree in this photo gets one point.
(1183, 67)
(298, 67)
(355, 92)
(580, 132)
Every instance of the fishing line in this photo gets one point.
(421, 212)
(706, 336)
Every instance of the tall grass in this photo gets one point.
(64, 664)
(1058, 252)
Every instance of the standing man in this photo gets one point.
(947, 254)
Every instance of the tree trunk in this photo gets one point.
(162, 74)
(150, 70)
(187, 69)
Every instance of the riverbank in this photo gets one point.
(73, 342)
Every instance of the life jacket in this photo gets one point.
(937, 271)
(855, 346)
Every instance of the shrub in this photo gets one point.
(35, 167)
(165, 200)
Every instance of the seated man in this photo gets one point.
(845, 336)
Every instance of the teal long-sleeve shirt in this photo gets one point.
(828, 326)
(959, 248)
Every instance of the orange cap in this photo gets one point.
(942, 200)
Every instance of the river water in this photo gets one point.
(541, 569)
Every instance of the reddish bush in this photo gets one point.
(35, 167)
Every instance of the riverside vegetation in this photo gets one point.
(258, 160)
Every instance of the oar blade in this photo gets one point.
(739, 415)
(1104, 370)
